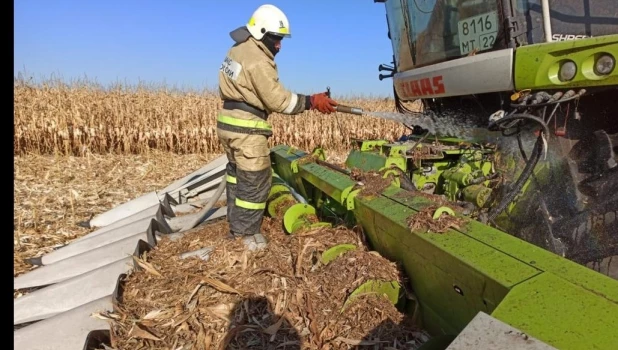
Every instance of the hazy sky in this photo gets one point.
(336, 43)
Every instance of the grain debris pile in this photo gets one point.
(287, 296)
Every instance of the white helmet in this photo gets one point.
(268, 19)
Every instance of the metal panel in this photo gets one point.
(561, 313)
(126, 209)
(215, 163)
(102, 240)
(61, 297)
(210, 174)
(144, 215)
(66, 331)
(78, 264)
(487, 333)
(178, 223)
(482, 73)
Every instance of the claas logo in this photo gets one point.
(423, 87)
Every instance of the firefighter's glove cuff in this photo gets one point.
(322, 103)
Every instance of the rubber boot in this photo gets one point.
(231, 235)
(255, 242)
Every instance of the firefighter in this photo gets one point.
(250, 89)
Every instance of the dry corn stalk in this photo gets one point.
(81, 118)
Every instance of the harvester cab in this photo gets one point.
(544, 78)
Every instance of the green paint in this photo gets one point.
(602, 285)
(334, 252)
(319, 153)
(536, 66)
(282, 157)
(398, 161)
(370, 145)
(561, 314)
(328, 181)
(544, 173)
(459, 178)
(476, 194)
(365, 161)
(279, 193)
(437, 263)
(442, 210)
(296, 218)
(389, 289)
(396, 156)
(504, 269)
(454, 168)
(273, 204)
(475, 268)
(349, 200)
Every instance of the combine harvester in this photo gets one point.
(510, 272)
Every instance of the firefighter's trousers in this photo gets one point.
(248, 178)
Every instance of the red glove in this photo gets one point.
(322, 103)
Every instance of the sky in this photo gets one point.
(336, 43)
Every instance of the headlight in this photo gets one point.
(605, 64)
(567, 71)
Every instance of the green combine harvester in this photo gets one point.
(507, 242)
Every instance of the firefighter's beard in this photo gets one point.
(270, 45)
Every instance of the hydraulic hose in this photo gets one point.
(530, 164)
(405, 181)
(207, 207)
(497, 125)
(536, 155)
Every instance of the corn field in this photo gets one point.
(83, 117)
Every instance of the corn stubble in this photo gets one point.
(281, 298)
(54, 117)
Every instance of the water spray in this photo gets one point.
(451, 124)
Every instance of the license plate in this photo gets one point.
(478, 32)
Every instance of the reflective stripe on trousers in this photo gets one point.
(250, 205)
(243, 123)
(247, 202)
(248, 172)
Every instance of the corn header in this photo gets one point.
(498, 238)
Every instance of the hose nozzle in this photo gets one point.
(345, 109)
(349, 110)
